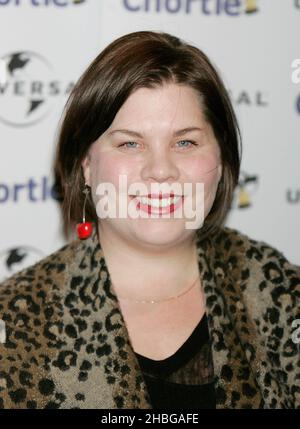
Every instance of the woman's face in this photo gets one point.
(153, 151)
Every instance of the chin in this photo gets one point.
(159, 234)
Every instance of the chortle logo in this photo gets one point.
(38, 3)
(32, 190)
(15, 259)
(251, 6)
(28, 88)
(205, 7)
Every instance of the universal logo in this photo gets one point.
(29, 88)
(204, 7)
(16, 259)
(256, 98)
(293, 196)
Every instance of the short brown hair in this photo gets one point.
(141, 59)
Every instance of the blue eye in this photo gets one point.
(131, 144)
(128, 143)
(187, 141)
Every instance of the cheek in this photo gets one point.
(107, 168)
(203, 168)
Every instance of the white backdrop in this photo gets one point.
(47, 44)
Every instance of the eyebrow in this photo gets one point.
(139, 135)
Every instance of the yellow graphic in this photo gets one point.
(246, 188)
(251, 6)
(244, 198)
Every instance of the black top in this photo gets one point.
(185, 379)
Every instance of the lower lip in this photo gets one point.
(158, 210)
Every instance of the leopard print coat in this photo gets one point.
(67, 345)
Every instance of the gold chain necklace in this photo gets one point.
(152, 301)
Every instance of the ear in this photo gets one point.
(86, 169)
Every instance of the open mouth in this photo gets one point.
(158, 204)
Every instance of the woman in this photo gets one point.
(148, 310)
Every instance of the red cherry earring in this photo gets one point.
(84, 229)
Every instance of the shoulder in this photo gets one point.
(48, 267)
(30, 318)
(234, 245)
(257, 273)
(261, 288)
(29, 291)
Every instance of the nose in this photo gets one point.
(160, 167)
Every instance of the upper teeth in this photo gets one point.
(158, 202)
